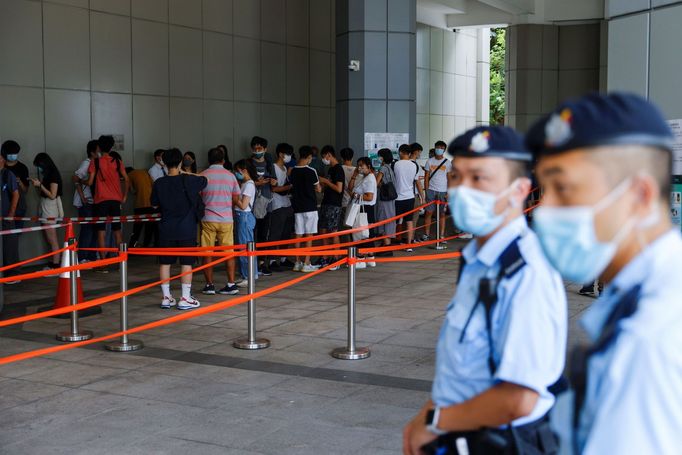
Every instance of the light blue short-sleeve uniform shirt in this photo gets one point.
(529, 326)
(633, 400)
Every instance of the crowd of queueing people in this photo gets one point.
(268, 197)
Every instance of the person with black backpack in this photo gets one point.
(105, 175)
(177, 196)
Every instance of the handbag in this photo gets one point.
(260, 205)
(387, 191)
(352, 212)
(360, 221)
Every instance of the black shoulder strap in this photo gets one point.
(437, 169)
(511, 262)
(97, 169)
(626, 307)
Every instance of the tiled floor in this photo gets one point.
(190, 391)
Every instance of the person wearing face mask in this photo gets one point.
(189, 163)
(264, 179)
(333, 189)
(158, 169)
(282, 215)
(10, 151)
(436, 184)
(605, 164)
(501, 349)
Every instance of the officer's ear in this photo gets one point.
(647, 193)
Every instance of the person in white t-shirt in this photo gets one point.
(406, 177)
(419, 200)
(245, 172)
(436, 184)
(366, 193)
(158, 169)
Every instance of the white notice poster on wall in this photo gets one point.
(676, 126)
(377, 141)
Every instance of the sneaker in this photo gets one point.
(12, 282)
(265, 271)
(298, 267)
(103, 269)
(586, 291)
(409, 250)
(209, 289)
(50, 267)
(360, 265)
(385, 254)
(425, 238)
(335, 268)
(308, 268)
(242, 283)
(371, 262)
(229, 290)
(167, 303)
(83, 261)
(188, 304)
(275, 267)
(467, 236)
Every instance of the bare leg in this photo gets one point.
(427, 222)
(51, 238)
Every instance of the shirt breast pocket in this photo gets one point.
(468, 341)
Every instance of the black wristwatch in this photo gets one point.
(432, 416)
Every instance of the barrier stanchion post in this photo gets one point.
(439, 246)
(75, 334)
(124, 344)
(251, 342)
(351, 352)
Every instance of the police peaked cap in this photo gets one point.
(600, 120)
(488, 141)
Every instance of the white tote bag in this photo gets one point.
(352, 213)
(360, 221)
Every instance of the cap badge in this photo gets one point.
(558, 129)
(480, 142)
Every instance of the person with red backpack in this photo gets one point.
(105, 176)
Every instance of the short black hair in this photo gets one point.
(304, 151)
(386, 155)
(347, 153)
(407, 149)
(106, 143)
(172, 158)
(129, 169)
(159, 152)
(366, 161)
(248, 166)
(440, 144)
(216, 156)
(10, 147)
(328, 150)
(416, 146)
(284, 148)
(91, 148)
(257, 140)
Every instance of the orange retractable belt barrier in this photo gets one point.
(42, 273)
(37, 258)
(160, 323)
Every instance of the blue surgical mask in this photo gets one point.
(259, 154)
(287, 158)
(12, 157)
(40, 169)
(473, 210)
(239, 175)
(568, 237)
(440, 152)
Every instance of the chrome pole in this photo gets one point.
(124, 345)
(250, 342)
(75, 334)
(351, 352)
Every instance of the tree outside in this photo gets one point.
(497, 94)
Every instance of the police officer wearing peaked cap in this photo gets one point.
(502, 344)
(605, 165)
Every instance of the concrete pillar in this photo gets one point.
(483, 77)
(380, 97)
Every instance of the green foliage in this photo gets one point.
(497, 95)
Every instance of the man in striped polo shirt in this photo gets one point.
(217, 224)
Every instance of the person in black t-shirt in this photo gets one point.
(49, 188)
(10, 151)
(177, 197)
(333, 187)
(305, 184)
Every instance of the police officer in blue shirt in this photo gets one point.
(502, 344)
(605, 166)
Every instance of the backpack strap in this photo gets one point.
(437, 169)
(511, 262)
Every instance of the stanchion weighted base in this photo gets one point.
(69, 336)
(119, 346)
(345, 354)
(245, 343)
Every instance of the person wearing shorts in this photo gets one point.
(217, 226)
(305, 184)
(282, 215)
(105, 175)
(177, 196)
(436, 183)
(333, 185)
(406, 176)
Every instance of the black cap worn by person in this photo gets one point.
(489, 141)
(600, 120)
